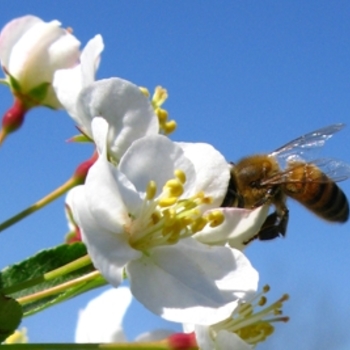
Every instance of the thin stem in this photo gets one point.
(41, 203)
(97, 282)
(61, 271)
(58, 289)
(72, 266)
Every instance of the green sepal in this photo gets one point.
(4, 82)
(14, 83)
(27, 277)
(10, 316)
(39, 93)
(80, 138)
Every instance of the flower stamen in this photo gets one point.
(253, 327)
(167, 218)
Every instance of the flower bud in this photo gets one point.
(82, 169)
(182, 341)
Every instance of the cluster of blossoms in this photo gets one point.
(150, 208)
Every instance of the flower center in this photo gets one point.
(169, 217)
(250, 325)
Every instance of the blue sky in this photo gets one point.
(245, 76)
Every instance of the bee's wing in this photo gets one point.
(307, 142)
(335, 170)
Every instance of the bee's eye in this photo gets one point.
(254, 184)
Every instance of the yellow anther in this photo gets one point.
(266, 288)
(167, 202)
(169, 213)
(169, 127)
(151, 190)
(162, 115)
(198, 224)
(262, 301)
(216, 218)
(179, 174)
(145, 91)
(174, 187)
(170, 221)
(174, 235)
(285, 297)
(167, 230)
(155, 217)
(207, 200)
(159, 96)
(186, 221)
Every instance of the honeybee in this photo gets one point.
(271, 178)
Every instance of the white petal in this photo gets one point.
(223, 341)
(156, 158)
(111, 196)
(31, 60)
(109, 251)
(90, 59)
(68, 83)
(204, 341)
(104, 197)
(173, 281)
(99, 127)
(228, 341)
(249, 227)
(101, 320)
(128, 112)
(239, 226)
(212, 170)
(11, 33)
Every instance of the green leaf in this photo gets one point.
(10, 316)
(39, 93)
(27, 277)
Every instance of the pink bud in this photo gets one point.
(82, 169)
(182, 341)
(74, 237)
(14, 117)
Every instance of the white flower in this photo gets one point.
(244, 328)
(101, 320)
(139, 218)
(31, 50)
(126, 109)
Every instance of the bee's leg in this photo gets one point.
(270, 193)
(274, 226)
(268, 229)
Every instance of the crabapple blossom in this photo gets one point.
(139, 219)
(31, 50)
(249, 323)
